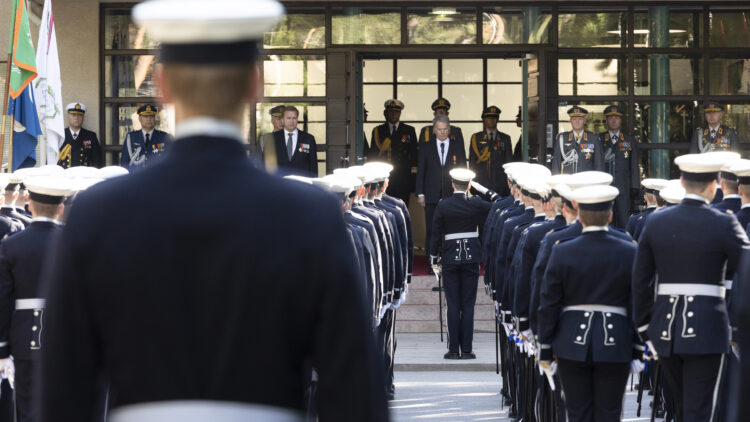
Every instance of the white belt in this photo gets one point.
(598, 308)
(464, 235)
(201, 411)
(687, 289)
(728, 284)
(29, 304)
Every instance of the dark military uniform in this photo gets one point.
(456, 240)
(139, 147)
(258, 150)
(426, 132)
(398, 147)
(573, 153)
(83, 150)
(723, 138)
(488, 152)
(621, 161)
(22, 258)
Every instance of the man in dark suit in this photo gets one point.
(296, 151)
(438, 155)
(147, 144)
(222, 319)
(81, 147)
(22, 258)
(396, 142)
(489, 150)
(621, 162)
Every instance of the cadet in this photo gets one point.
(578, 149)
(716, 136)
(81, 147)
(651, 189)
(456, 240)
(22, 258)
(396, 143)
(583, 316)
(259, 150)
(730, 200)
(296, 151)
(440, 107)
(305, 305)
(688, 246)
(621, 161)
(741, 169)
(438, 155)
(12, 193)
(490, 149)
(144, 145)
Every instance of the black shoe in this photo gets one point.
(451, 355)
(468, 355)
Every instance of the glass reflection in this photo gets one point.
(354, 25)
(685, 29)
(503, 26)
(592, 29)
(592, 76)
(294, 76)
(298, 29)
(442, 25)
(121, 33)
(729, 75)
(685, 76)
(729, 29)
(130, 76)
(418, 100)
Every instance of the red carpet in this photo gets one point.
(421, 265)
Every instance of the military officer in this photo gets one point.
(12, 197)
(651, 189)
(489, 150)
(741, 169)
(621, 161)
(144, 145)
(81, 146)
(715, 136)
(277, 123)
(395, 142)
(578, 149)
(456, 240)
(688, 246)
(730, 200)
(307, 301)
(440, 107)
(579, 298)
(22, 258)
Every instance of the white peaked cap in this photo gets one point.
(595, 194)
(300, 179)
(462, 175)
(110, 172)
(50, 186)
(82, 172)
(589, 178)
(654, 184)
(672, 194)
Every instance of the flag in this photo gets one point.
(23, 66)
(26, 129)
(48, 85)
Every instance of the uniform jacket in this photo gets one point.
(433, 180)
(602, 278)
(367, 267)
(409, 233)
(633, 221)
(458, 214)
(494, 234)
(235, 297)
(85, 150)
(136, 152)
(500, 259)
(725, 139)
(22, 221)
(398, 232)
(387, 246)
(688, 243)
(730, 203)
(486, 157)
(399, 149)
(509, 287)
(571, 156)
(621, 161)
(304, 161)
(22, 258)
(743, 216)
(359, 220)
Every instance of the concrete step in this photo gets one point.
(427, 282)
(484, 326)
(430, 312)
(428, 297)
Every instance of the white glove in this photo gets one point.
(527, 336)
(8, 371)
(636, 366)
(548, 368)
(652, 350)
(481, 189)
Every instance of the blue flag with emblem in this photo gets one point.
(26, 128)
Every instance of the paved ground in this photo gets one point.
(436, 390)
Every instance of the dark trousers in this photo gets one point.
(25, 370)
(621, 210)
(6, 401)
(429, 212)
(460, 283)
(387, 340)
(593, 390)
(693, 381)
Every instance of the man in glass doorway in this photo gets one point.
(440, 107)
(578, 149)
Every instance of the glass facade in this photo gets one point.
(658, 62)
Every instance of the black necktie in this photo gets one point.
(442, 153)
(289, 149)
(148, 137)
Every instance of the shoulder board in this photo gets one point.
(565, 239)
(730, 212)
(635, 242)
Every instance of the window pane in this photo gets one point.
(354, 25)
(503, 26)
(729, 75)
(592, 76)
(466, 101)
(442, 25)
(658, 156)
(119, 119)
(298, 29)
(729, 29)
(417, 70)
(504, 70)
(685, 75)
(294, 76)
(121, 33)
(681, 119)
(685, 29)
(592, 29)
(462, 70)
(377, 71)
(374, 97)
(418, 101)
(507, 97)
(129, 76)
(738, 117)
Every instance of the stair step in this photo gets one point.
(434, 326)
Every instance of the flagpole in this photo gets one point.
(10, 144)
(6, 95)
